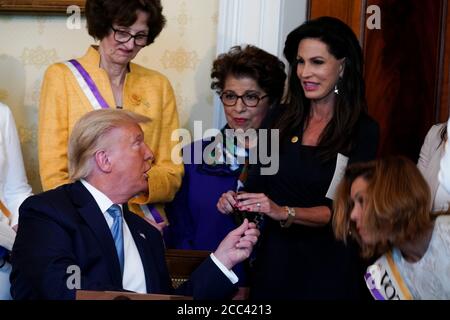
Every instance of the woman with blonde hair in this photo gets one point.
(385, 206)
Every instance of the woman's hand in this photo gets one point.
(259, 202)
(227, 202)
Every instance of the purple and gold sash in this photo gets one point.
(87, 85)
(385, 281)
(151, 212)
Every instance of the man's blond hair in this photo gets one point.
(88, 134)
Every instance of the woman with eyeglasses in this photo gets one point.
(250, 83)
(105, 77)
(323, 125)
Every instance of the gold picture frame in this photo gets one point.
(39, 6)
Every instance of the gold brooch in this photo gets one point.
(135, 99)
(294, 139)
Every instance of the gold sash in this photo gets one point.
(4, 210)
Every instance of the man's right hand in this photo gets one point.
(237, 245)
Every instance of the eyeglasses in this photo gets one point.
(124, 36)
(251, 100)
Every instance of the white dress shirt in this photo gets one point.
(133, 270)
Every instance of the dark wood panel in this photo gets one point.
(181, 263)
(444, 85)
(402, 62)
(351, 12)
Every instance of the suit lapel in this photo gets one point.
(144, 246)
(90, 212)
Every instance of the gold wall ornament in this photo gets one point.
(34, 93)
(4, 94)
(41, 22)
(28, 141)
(182, 100)
(183, 19)
(27, 135)
(183, 103)
(215, 19)
(180, 59)
(39, 57)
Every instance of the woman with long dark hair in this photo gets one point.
(323, 126)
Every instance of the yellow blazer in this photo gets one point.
(147, 92)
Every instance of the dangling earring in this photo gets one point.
(336, 86)
(336, 89)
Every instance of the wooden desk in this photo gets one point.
(117, 295)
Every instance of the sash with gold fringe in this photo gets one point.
(385, 281)
(4, 210)
(5, 233)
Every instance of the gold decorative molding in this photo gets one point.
(183, 19)
(34, 93)
(41, 21)
(4, 94)
(39, 57)
(182, 100)
(39, 6)
(27, 135)
(180, 59)
(215, 19)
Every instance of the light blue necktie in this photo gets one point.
(117, 232)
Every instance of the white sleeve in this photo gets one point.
(228, 273)
(16, 187)
(425, 151)
(7, 234)
(444, 172)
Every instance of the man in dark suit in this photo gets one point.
(82, 235)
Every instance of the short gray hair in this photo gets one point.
(87, 137)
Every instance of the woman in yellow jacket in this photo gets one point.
(105, 78)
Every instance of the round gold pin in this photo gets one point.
(294, 139)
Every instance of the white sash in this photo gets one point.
(83, 86)
(385, 281)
